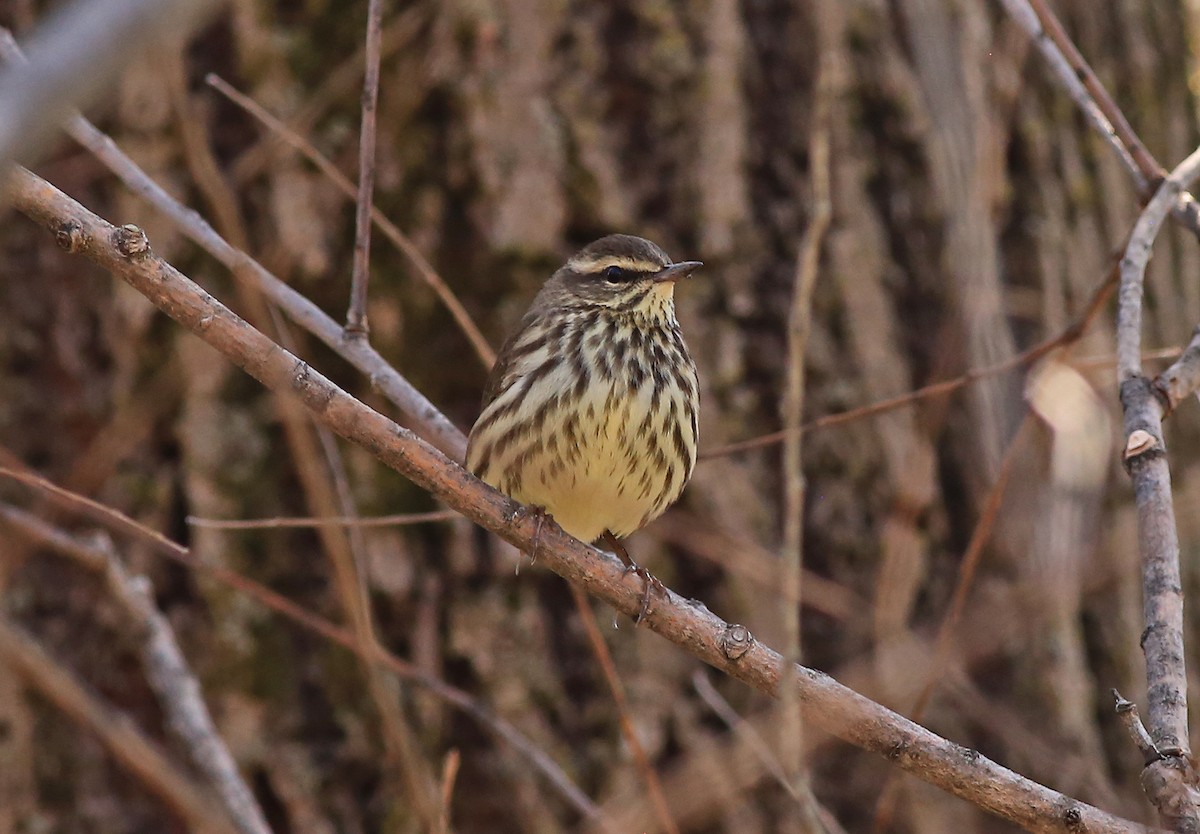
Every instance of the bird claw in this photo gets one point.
(652, 584)
(522, 512)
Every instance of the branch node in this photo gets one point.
(131, 242)
(735, 641)
(356, 330)
(1128, 712)
(70, 237)
(1073, 819)
(1138, 443)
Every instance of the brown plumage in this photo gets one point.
(591, 409)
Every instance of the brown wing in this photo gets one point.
(504, 363)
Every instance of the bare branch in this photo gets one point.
(1128, 712)
(124, 251)
(1168, 778)
(742, 728)
(799, 326)
(337, 85)
(1133, 265)
(356, 317)
(386, 379)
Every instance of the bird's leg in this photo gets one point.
(651, 582)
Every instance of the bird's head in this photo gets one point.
(622, 273)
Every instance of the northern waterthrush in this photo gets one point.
(590, 412)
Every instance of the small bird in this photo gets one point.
(590, 412)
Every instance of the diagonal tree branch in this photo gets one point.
(125, 252)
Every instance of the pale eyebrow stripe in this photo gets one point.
(605, 261)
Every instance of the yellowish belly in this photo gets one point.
(608, 462)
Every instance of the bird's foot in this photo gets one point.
(521, 513)
(652, 583)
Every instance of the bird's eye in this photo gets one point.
(615, 274)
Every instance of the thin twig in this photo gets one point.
(449, 776)
(600, 649)
(125, 252)
(1149, 169)
(799, 327)
(1182, 378)
(179, 695)
(1168, 777)
(356, 316)
(314, 477)
(336, 86)
(87, 555)
(390, 230)
(1128, 712)
(327, 490)
(1023, 13)
(397, 520)
(742, 728)
(1069, 335)
(117, 732)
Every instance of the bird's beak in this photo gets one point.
(674, 272)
